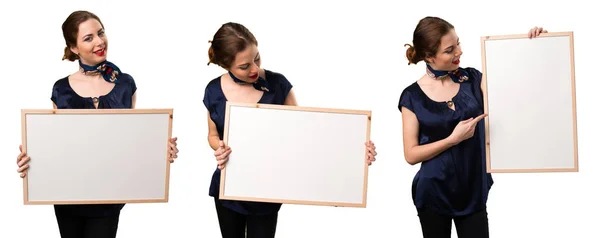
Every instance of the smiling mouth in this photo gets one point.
(457, 61)
(100, 52)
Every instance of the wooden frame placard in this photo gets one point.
(529, 96)
(296, 155)
(96, 156)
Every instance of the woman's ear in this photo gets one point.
(429, 59)
(74, 50)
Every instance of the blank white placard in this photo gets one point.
(296, 155)
(81, 156)
(530, 99)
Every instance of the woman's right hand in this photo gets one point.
(465, 129)
(222, 154)
(22, 162)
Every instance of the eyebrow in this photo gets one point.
(83, 37)
(457, 40)
(244, 64)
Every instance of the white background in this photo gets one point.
(353, 49)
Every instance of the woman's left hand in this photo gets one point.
(536, 31)
(173, 149)
(371, 153)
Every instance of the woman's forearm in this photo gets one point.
(421, 153)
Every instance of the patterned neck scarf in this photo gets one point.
(108, 70)
(260, 84)
(459, 75)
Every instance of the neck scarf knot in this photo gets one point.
(108, 70)
(260, 84)
(459, 75)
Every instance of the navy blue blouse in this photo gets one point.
(215, 101)
(119, 97)
(455, 182)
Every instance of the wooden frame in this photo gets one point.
(164, 197)
(364, 167)
(572, 112)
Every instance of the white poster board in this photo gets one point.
(529, 92)
(91, 156)
(296, 155)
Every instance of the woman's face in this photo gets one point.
(91, 43)
(247, 64)
(448, 56)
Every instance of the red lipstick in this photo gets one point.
(100, 52)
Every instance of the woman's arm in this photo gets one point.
(413, 152)
(213, 134)
(291, 99)
(133, 100)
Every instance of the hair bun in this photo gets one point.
(411, 53)
(211, 54)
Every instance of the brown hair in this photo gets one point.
(70, 30)
(427, 38)
(230, 39)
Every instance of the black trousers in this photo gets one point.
(73, 225)
(237, 225)
(435, 225)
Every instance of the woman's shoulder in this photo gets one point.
(275, 77)
(126, 79)
(473, 72)
(214, 84)
(212, 92)
(61, 83)
(410, 90)
(408, 95)
(273, 74)
(278, 80)
(62, 80)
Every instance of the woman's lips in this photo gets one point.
(100, 52)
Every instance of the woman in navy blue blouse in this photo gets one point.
(443, 130)
(98, 84)
(234, 48)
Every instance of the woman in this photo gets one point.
(443, 130)
(234, 48)
(98, 84)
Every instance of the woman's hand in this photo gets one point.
(22, 162)
(173, 149)
(465, 129)
(536, 31)
(222, 154)
(371, 153)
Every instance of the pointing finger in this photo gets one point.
(478, 118)
(468, 120)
